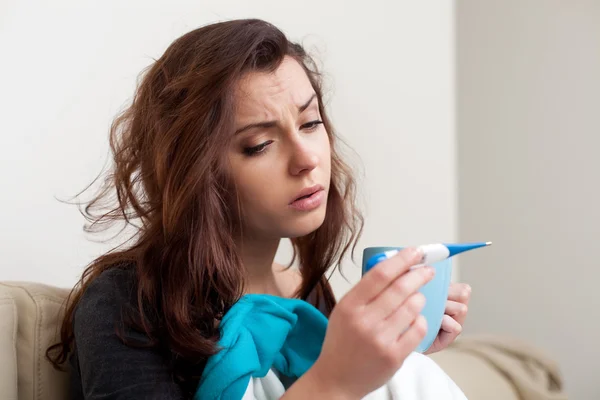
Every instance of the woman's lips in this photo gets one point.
(310, 202)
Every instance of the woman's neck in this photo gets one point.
(264, 276)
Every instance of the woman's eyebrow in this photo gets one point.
(264, 125)
(305, 105)
(271, 124)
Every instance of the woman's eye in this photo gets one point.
(312, 125)
(251, 151)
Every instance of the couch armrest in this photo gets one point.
(31, 314)
(493, 367)
(8, 350)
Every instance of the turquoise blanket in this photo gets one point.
(258, 333)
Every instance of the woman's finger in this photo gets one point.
(459, 292)
(409, 340)
(457, 311)
(382, 275)
(393, 297)
(402, 317)
(449, 331)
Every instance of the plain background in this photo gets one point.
(474, 120)
(69, 67)
(528, 101)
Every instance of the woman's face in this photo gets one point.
(280, 155)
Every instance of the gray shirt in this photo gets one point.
(103, 367)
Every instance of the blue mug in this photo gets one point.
(435, 292)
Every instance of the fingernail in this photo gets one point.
(417, 252)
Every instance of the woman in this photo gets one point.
(225, 150)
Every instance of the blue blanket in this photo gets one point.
(258, 333)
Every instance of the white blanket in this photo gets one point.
(419, 378)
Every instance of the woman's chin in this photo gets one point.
(305, 225)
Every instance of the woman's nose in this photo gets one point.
(303, 159)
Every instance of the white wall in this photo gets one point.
(67, 67)
(529, 175)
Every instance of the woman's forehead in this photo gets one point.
(288, 85)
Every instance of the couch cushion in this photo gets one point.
(30, 316)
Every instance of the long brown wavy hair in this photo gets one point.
(169, 182)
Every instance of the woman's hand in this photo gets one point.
(459, 295)
(373, 328)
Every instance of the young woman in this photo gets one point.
(225, 150)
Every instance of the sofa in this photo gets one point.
(490, 367)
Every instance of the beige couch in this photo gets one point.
(485, 368)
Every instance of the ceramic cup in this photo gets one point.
(435, 292)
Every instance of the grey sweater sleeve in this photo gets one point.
(103, 366)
